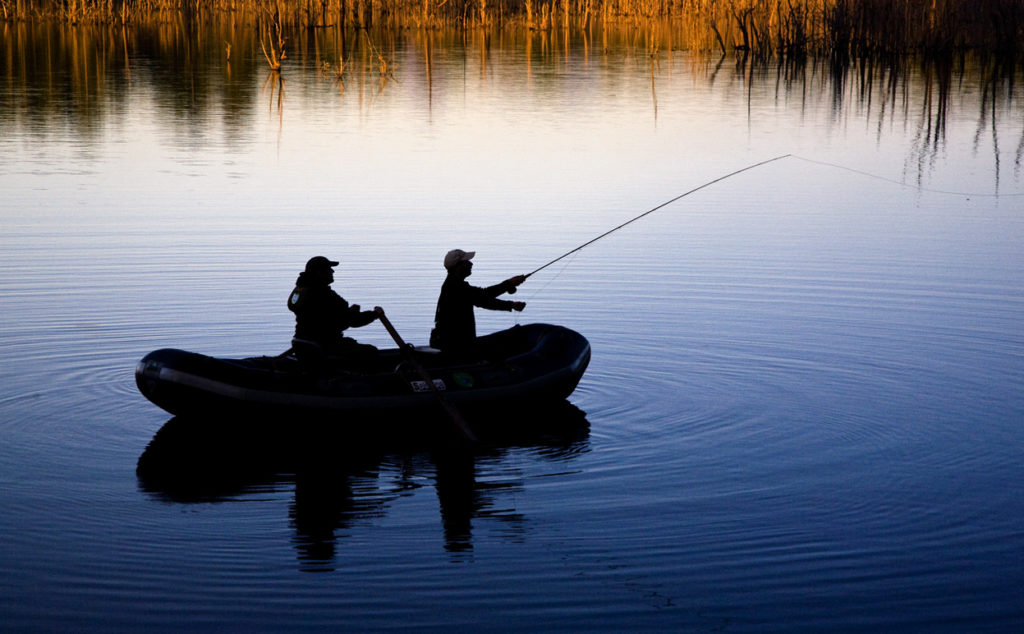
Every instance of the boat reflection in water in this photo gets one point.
(337, 476)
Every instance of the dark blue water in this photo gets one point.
(803, 411)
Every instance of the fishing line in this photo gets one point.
(900, 183)
(549, 282)
(750, 167)
(543, 288)
(651, 211)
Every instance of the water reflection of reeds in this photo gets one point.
(213, 70)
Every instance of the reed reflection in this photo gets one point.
(343, 481)
(274, 87)
(84, 78)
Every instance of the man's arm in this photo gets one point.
(488, 297)
(357, 317)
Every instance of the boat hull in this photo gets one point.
(535, 364)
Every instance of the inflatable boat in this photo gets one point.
(534, 364)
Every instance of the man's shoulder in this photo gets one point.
(454, 283)
(317, 292)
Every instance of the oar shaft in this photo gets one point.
(391, 330)
(454, 416)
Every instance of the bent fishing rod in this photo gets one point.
(651, 211)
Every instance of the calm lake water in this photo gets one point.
(804, 410)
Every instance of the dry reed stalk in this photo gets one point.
(762, 28)
(272, 35)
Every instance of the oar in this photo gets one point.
(453, 414)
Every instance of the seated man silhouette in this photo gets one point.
(322, 316)
(454, 321)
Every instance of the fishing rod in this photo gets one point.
(651, 211)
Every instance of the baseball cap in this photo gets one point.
(455, 256)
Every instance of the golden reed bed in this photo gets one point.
(760, 27)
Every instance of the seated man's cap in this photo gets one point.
(455, 256)
(319, 263)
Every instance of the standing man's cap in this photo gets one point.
(455, 256)
(319, 263)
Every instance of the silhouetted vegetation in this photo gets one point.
(763, 28)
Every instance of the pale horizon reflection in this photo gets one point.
(188, 109)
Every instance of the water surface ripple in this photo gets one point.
(802, 412)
